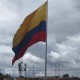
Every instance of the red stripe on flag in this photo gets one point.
(39, 36)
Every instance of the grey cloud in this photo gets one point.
(38, 49)
(77, 4)
(64, 21)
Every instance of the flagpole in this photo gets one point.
(46, 42)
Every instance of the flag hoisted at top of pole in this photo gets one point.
(31, 31)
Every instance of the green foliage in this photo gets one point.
(4, 76)
(1, 77)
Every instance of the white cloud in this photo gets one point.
(75, 39)
(32, 58)
(4, 49)
(40, 74)
(7, 15)
(54, 54)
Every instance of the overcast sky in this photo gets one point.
(63, 33)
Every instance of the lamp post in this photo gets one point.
(20, 69)
(25, 65)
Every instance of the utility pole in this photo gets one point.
(55, 69)
(33, 72)
(59, 68)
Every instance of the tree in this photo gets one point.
(66, 75)
(1, 74)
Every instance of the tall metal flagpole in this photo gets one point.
(46, 42)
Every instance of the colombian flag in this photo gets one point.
(31, 31)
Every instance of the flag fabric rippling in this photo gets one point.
(31, 31)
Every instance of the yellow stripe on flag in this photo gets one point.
(30, 22)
